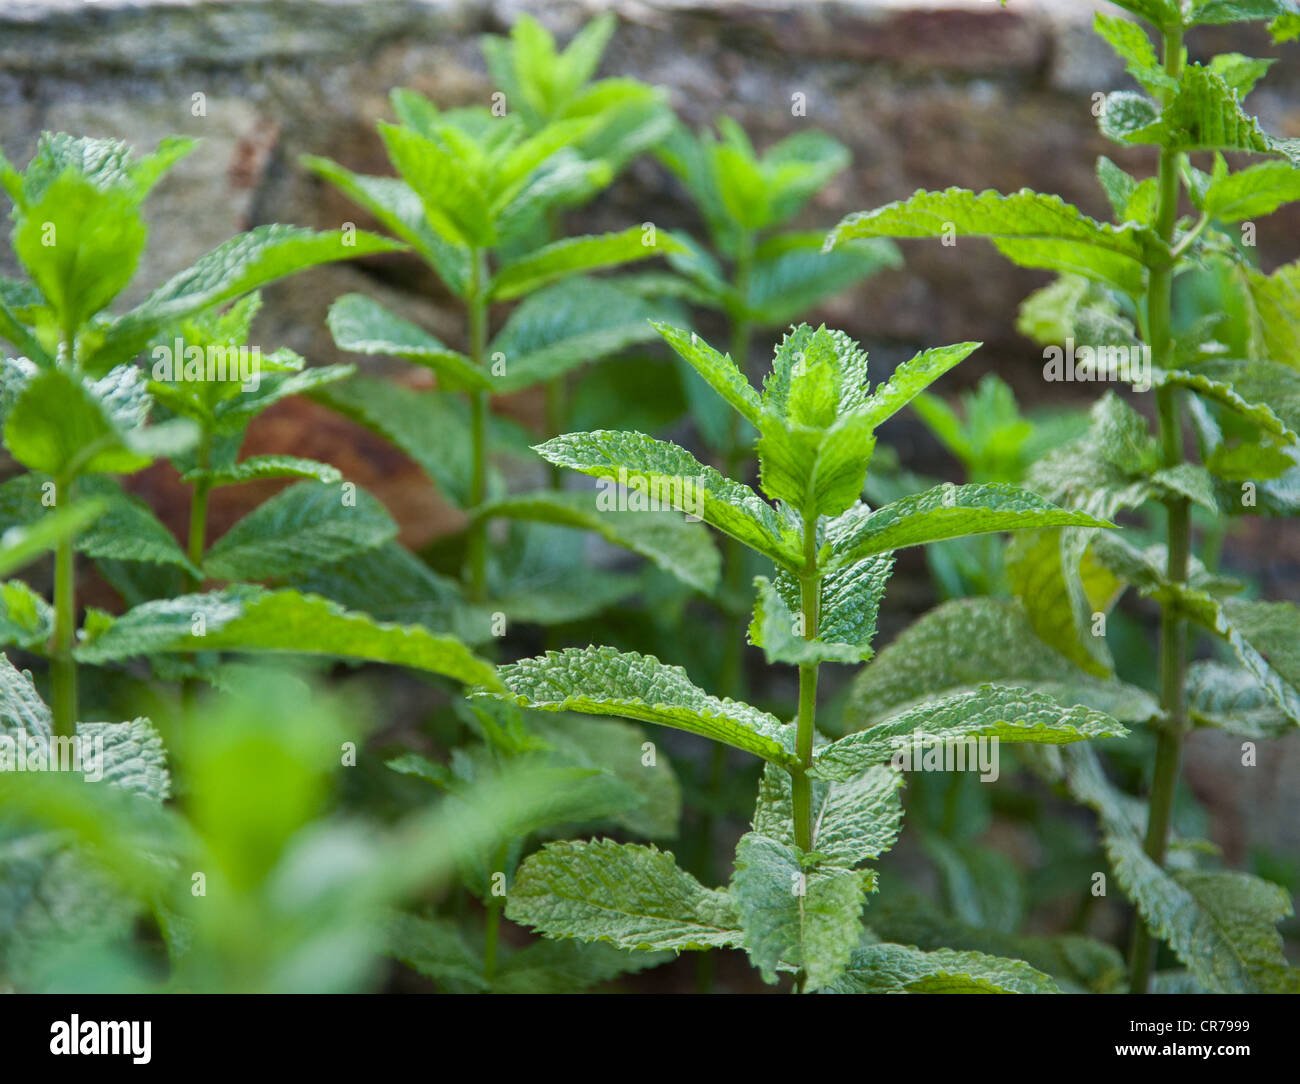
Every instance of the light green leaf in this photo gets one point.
(604, 681)
(672, 475)
(302, 527)
(794, 920)
(229, 271)
(1206, 115)
(964, 643)
(913, 377)
(566, 325)
(1020, 221)
(719, 370)
(1009, 714)
(252, 619)
(1275, 312)
(630, 896)
(26, 619)
(675, 545)
(363, 326)
(792, 275)
(22, 543)
(899, 969)
(575, 255)
(1222, 12)
(258, 467)
(949, 511)
(1229, 698)
(1132, 45)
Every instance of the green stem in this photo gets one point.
(477, 542)
(1173, 629)
(810, 586)
(199, 507)
(557, 413)
(63, 667)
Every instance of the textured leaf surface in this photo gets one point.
(574, 255)
(792, 920)
(566, 325)
(1230, 699)
(633, 897)
(301, 528)
(659, 467)
(1009, 714)
(965, 643)
(603, 681)
(899, 969)
(675, 545)
(251, 619)
(1221, 925)
(361, 325)
(950, 511)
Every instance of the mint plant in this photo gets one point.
(1116, 294)
(825, 809)
(473, 187)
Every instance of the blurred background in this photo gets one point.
(924, 93)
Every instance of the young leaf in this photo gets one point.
(1254, 192)
(913, 377)
(305, 526)
(682, 548)
(719, 370)
(664, 471)
(794, 920)
(949, 511)
(603, 681)
(257, 467)
(633, 897)
(1013, 715)
(900, 969)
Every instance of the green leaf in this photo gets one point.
(1160, 13)
(1229, 698)
(792, 275)
(682, 548)
(1206, 115)
(1285, 28)
(1275, 315)
(630, 896)
(1265, 392)
(604, 681)
(913, 377)
(650, 796)
(774, 624)
(718, 370)
(453, 203)
(1266, 638)
(21, 708)
(1031, 229)
(566, 325)
(81, 245)
(900, 969)
(257, 467)
(65, 427)
(1132, 45)
(574, 255)
(949, 511)
(302, 527)
(1222, 12)
(394, 203)
(133, 757)
(428, 426)
(964, 643)
(229, 271)
(1221, 925)
(26, 619)
(22, 543)
(253, 619)
(670, 474)
(794, 920)
(362, 326)
(991, 711)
